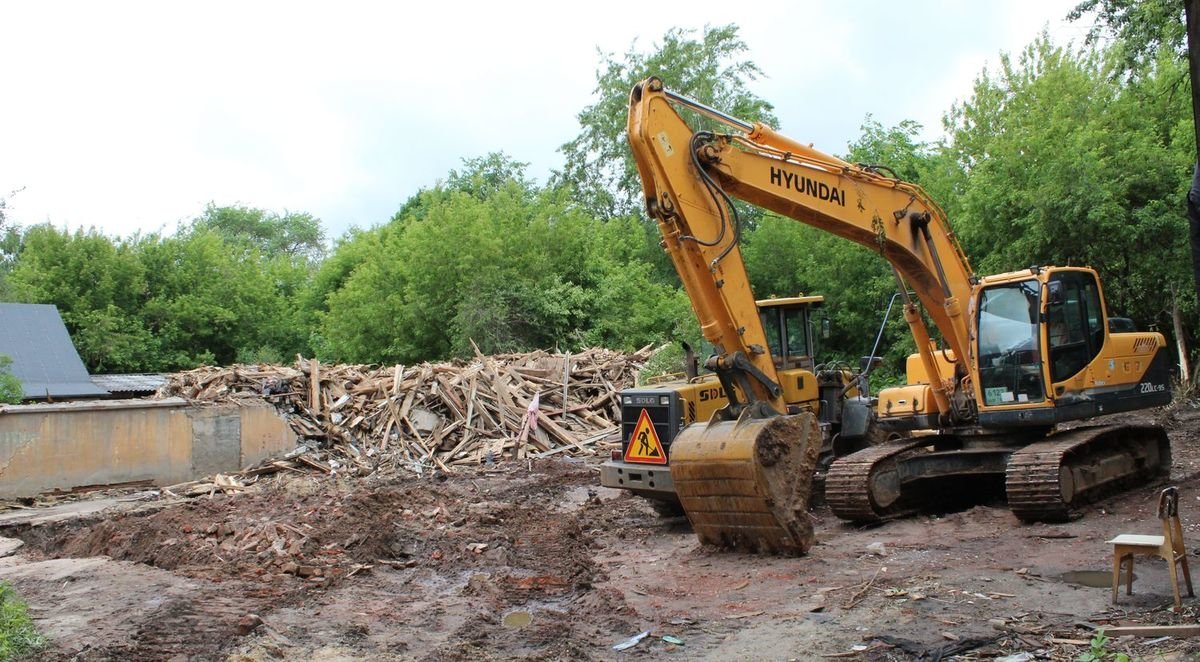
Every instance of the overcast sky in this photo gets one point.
(132, 117)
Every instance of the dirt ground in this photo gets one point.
(534, 560)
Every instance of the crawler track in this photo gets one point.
(1047, 479)
(864, 486)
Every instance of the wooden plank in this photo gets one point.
(314, 385)
(1153, 630)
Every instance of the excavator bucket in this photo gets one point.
(745, 484)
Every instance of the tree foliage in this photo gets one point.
(1143, 28)
(1057, 156)
(711, 69)
(291, 234)
(155, 302)
(11, 391)
(1064, 165)
(489, 260)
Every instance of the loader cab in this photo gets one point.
(788, 325)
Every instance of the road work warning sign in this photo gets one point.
(643, 444)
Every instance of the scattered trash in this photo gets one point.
(671, 639)
(631, 642)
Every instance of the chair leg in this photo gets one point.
(1187, 576)
(1175, 584)
(1116, 579)
(1129, 577)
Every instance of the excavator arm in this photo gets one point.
(689, 178)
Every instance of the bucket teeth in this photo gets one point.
(745, 484)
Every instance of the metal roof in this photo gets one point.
(43, 357)
(139, 383)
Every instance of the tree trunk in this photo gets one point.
(1191, 10)
(1185, 372)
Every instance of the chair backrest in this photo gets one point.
(1168, 503)
(1168, 512)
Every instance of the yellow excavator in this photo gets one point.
(1020, 352)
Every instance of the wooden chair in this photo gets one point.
(1168, 546)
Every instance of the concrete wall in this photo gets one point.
(63, 446)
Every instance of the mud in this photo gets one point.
(536, 561)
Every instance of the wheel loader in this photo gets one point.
(652, 415)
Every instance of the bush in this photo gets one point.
(10, 387)
(18, 637)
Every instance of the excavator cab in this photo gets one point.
(1048, 351)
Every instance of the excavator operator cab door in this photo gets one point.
(1074, 315)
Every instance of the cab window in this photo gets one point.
(770, 323)
(797, 333)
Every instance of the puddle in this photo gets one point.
(517, 619)
(1091, 578)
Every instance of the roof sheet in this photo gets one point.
(43, 357)
(139, 383)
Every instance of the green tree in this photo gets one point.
(710, 69)
(1147, 32)
(288, 248)
(1144, 28)
(488, 259)
(10, 246)
(10, 387)
(1067, 165)
(295, 234)
(97, 285)
(206, 303)
(351, 251)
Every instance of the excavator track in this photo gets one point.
(864, 486)
(1046, 480)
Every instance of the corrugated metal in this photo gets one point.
(135, 384)
(43, 357)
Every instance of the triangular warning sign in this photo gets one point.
(643, 445)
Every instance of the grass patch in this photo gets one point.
(19, 639)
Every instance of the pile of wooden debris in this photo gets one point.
(433, 416)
